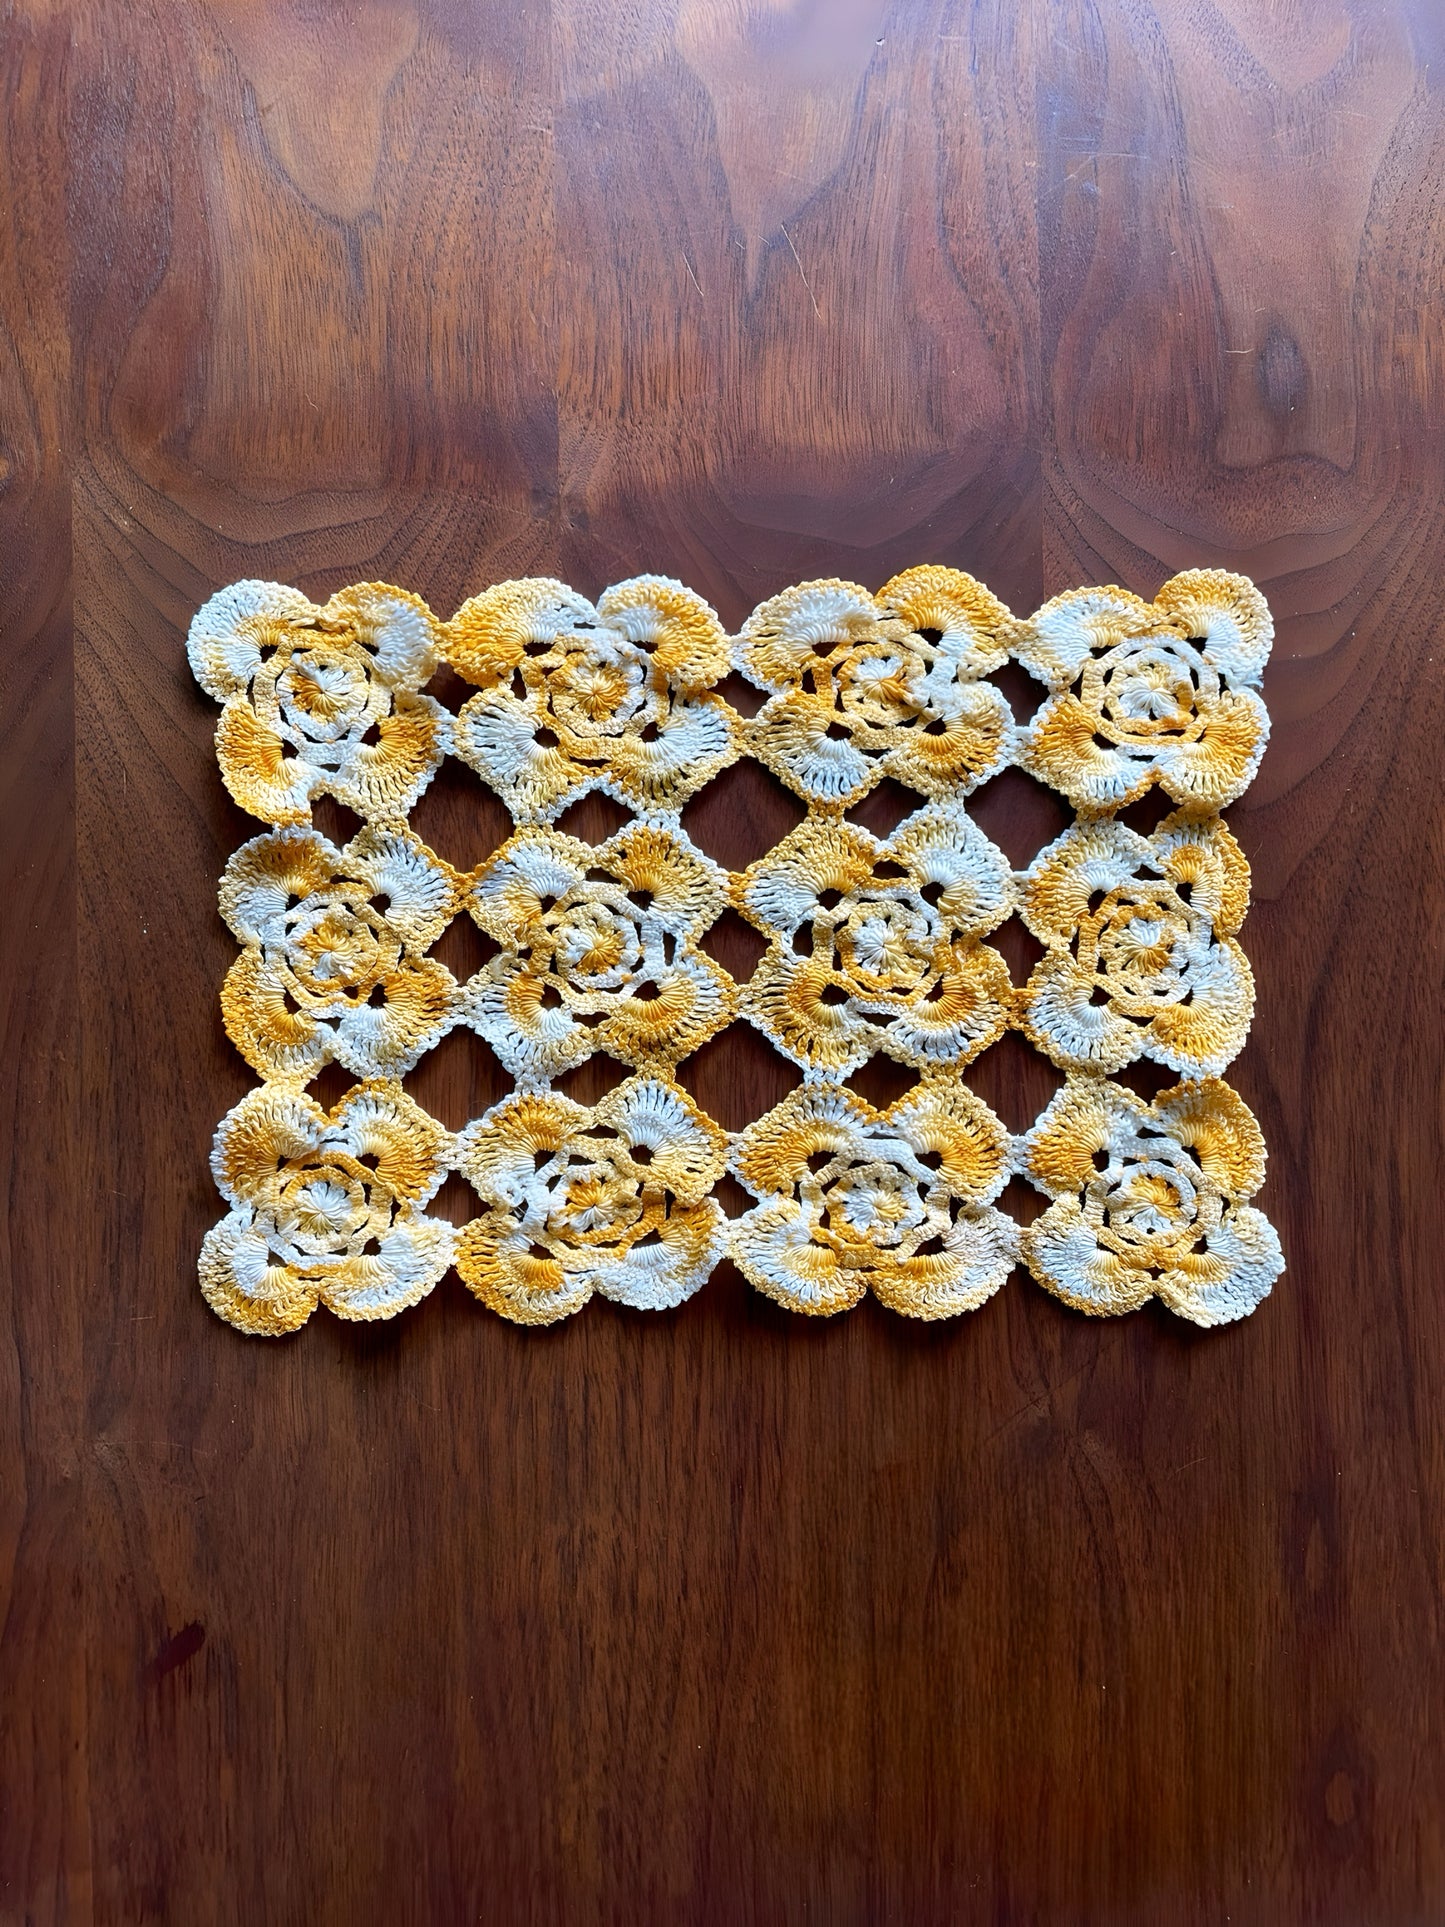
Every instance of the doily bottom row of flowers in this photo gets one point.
(1145, 1199)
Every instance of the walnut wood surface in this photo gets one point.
(723, 1615)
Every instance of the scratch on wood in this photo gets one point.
(794, 252)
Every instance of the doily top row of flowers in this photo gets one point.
(621, 695)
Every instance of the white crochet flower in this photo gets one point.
(863, 687)
(1149, 692)
(334, 963)
(599, 950)
(1142, 958)
(875, 946)
(897, 1202)
(611, 1199)
(574, 697)
(321, 700)
(325, 1208)
(1151, 1200)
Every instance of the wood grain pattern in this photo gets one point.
(44, 1861)
(718, 1615)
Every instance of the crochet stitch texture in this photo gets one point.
(873, 945)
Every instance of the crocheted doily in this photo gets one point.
(873, 945)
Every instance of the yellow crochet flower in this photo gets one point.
(325, 1208)
(599, 950)
(574, 697)
(1141, 952)
(1151, 1199)
(333, 965)
(863, 687)
(898, 1201)
(1150, 692)
(874, 946)
(321, 700)
(612, 1199)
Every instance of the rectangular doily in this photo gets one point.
(873, 945)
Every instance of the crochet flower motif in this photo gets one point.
(321, 700)
(1151, 1199)
(325, 1207)
(599, 950)
(1146, 692)
(333, 964)
(874, 946)
(864, 687)
(612, 1199)
(898, 1201)
(575, 697)
(1141, 953)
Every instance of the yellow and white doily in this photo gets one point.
(873, 946)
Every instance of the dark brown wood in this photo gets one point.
(44, 1756)
(721, 1615)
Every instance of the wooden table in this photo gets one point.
(723, 1615)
